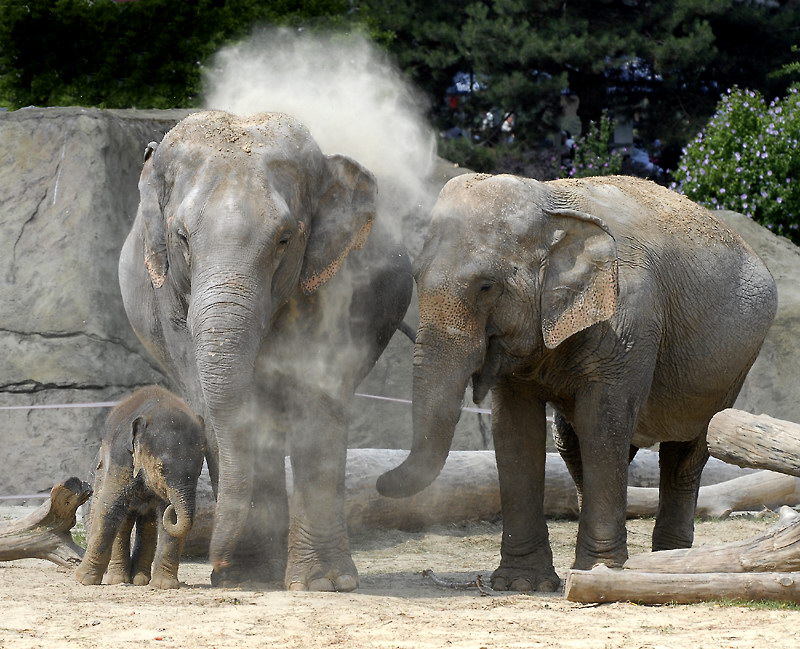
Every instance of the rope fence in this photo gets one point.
(111, 404)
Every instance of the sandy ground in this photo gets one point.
(42, 606)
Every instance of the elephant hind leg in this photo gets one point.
(144, 548)
(681, 468)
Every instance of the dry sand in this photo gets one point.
(42, 606)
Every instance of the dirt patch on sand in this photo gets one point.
(42, 605)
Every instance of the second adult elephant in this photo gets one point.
(259, 278)
(630, 309)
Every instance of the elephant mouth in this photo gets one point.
(486, 377)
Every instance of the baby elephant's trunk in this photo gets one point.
(179, 515)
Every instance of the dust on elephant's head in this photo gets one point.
(233, 196)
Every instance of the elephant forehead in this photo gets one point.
(487, 210)
(227, 135)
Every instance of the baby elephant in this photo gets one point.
(150, 459)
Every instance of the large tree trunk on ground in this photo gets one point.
(602, 584)
(45, 532)
(467, 488)
(758, 441)
(746, 493)
(776, 549)
(742, 570)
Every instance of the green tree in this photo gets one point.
(593, 155)
(141, 53)
(747, 159)
(665, 62)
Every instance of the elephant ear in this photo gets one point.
(580, 286)
(155, 245)
(342, 221)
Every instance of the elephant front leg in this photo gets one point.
(604, 423)
(109, 511)
(119, 566)
(167, 560)
(518, 427)
(319, 550)
(260, 554)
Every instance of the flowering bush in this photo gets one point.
(747, 159)
(592, 153)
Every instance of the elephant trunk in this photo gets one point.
(228, 331)
(442, 369)
(179, 515)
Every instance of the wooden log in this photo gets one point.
(467, 489)
(644, 470)
(749, 492)
(45, 532)
(602, 584)
(777, 549)
(758, 441)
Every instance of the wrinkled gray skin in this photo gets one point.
(631, 310)
(150, 459)
(256, 276)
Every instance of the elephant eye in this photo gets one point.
(485, 286)
(184, 239)
(284, 240)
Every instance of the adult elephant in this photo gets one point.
(258, 278)
(630, 309)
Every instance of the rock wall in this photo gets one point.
(68, 190)
(773, 385)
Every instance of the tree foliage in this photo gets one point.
(665, 61)
(593, 154)
(142, 53)
(747, 159)
(660, 64)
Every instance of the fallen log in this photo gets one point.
(757, 441)
(754, 491)
(602, 584)
(467, 489)
(777, 549)
(45, 532)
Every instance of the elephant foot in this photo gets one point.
(164, 581)
(226, 576)
(672, 538)
(88, 575)
(525, 579)
(115, 578)
(239, 572)
(141, 579)
(586, 559)
(313, 573)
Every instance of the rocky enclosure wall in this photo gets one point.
(68, 191)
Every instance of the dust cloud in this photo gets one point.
(355, 102)
(346, 92)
